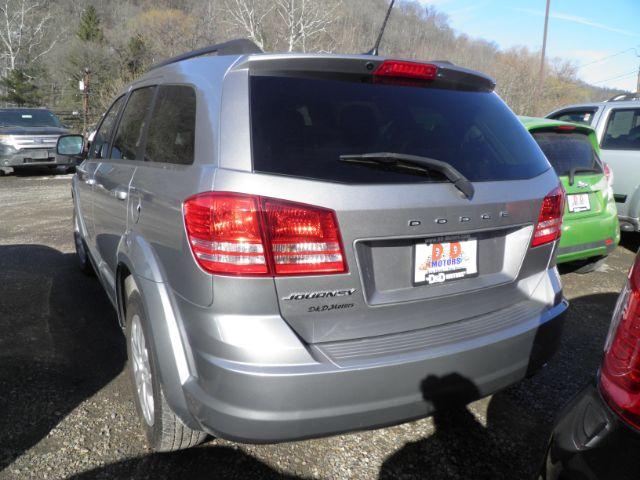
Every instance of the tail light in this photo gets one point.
(609, 174)
(396, 69)
(236, 234)
(620, 372)
(549, 226)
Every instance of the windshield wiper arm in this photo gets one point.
(413, 164)
(574, 170)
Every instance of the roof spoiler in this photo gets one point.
(240, 46)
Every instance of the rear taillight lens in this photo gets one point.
(236, 234)
(225, 234)
(549, 226)
(303, 239)
(408, 70)
(620, 372)
(609, 174)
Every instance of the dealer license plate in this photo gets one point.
(445, 259)
(37, 154)
(579, 203)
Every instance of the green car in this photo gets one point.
(590, 229)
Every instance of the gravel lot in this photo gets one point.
(66, 411)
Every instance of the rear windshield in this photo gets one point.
(584, 117)
(28, 118)
(568, 150)
(301, 126)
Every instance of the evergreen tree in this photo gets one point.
(136, 54)
(89, 29)
(20, 89)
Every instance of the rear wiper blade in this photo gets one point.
(574, 170)
(413, 164)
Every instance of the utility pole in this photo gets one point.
(544, 47)
(86, 78)
(638, 84)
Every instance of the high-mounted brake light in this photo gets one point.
(567, 128)
(549, 226)
(403, 69)
(620, 372)
(237, 234)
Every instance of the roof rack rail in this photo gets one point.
(239, 46)
(625, 97)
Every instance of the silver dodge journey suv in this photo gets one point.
(304, 244)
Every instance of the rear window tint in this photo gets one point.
(172, 128)
(584, 117)
(623, 130)
(300, 127)
(567, 150)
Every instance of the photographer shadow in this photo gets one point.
(505, 436)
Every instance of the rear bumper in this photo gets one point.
(256, 404)
(589, 237)
(590, 441)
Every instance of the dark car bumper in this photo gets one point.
(26, 159)
(590, 441)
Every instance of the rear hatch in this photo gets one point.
(419, 251)
(572, 151)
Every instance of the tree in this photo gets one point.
(19, 89)
(23, 31)
(89, 29)
(249, 17)
(166, 32)
(135, 55)
(303, 20)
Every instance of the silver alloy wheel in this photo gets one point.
(142, 370)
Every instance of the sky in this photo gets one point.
(584, 31)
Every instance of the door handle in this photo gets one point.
(120, 194)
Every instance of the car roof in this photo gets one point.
(534, 123)
(611, 103)
(217, 60)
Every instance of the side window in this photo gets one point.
(171, 134)
(623, 130)
(100, 143)
(129, 135)
(584, 117)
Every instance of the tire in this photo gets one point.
(65, 169)
(164, 431)
(591, 265)
(82, 253)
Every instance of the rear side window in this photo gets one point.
(566, 151)
(623, 130)
(301, 126)
(172, 128)
(129, 136)
(584, 117)
(100, 144)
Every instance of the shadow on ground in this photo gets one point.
(630, 241)
(36, 171)
(195, 464)
(60, 343)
